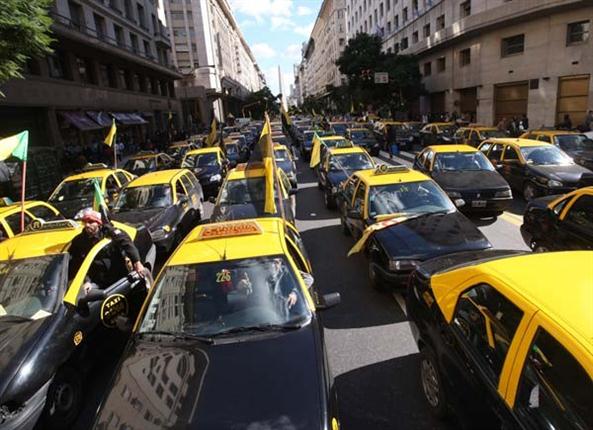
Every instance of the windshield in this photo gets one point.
(340, 128)
(70, 190)
(361, 134)
(357, 161)
(453, 161)
(336, 143)
(148, 197)
(574, 142)
(213, 298)
(487, 134)
(143, 165)
(410, 197)
(231, 148)
(241, 191)
(281, 154)
(29, 288)
(547, 155)
(200, 160)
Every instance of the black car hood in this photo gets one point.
(470, 180)
(17, 339)
(431, 236)
(69, 208)
(336, 177)
(567, 173)
(269, 382)
(151, 218)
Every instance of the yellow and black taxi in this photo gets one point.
(337, 165)
(535, 168)
(339, 127)
(305, 141)
(148, 161)
(233, 319)
(473, 135)
(465, 173)
(437, 133)
(364, 138)
(401, 217)
(168, 203)
(328, 142)
(234, 153)
(394, 131)
(577, 145)
(242, 194)
(502, 343)
(76, 191)
(178, 149)
(10, 216)
(210, 167)
(51, 332)
(555, 223)
(285, 161)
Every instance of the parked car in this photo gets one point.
(364, 138)
(577, 145)
(437, 133)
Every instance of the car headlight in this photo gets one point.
(160, 233)
(215, 178)
(503, 194)
(454, 194)
(553, 183)
(402, 265)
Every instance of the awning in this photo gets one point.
(80, 120)
(101, 118)
(137, 118)
(147, 114)
(128, 118)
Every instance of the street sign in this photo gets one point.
(381, 77)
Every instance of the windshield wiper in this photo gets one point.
(178, 336)
(261, 327)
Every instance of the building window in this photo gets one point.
(115, 4)
(426, 30)
(179, 32)
(99, 26)
(396, 48)
(427, 68)
(371, 21)
(415, 37)
(107, 76)
(76, 15)
(404, 43)
(440, 22)
(388, 5)
(405, 15)
(396, 22)
(465, 57)
(577, 32)
(441, 64)
(141, 16)
(57, 65)
(126, 79)
(128, 9)
(465, 9)
(85, 70)
(119, 35)
(134, 41)
(147, 50)
(512, 45)
(381, 10)
(415, 6)
(177, 16)
(388, 27)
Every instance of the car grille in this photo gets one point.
(481, 194)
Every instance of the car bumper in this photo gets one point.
(395, 280)
(490, 205)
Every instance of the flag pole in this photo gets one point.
(114, 145)
(23, 183)
(277, 176)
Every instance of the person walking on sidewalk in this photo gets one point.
(392, 145)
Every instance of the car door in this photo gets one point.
(478, 349)
(419, 160)
(575, 229)
(184, 204)
(112, 188)
(122, 178)
(512, 167)
(345, 194)
(356, 214)
(323, 169)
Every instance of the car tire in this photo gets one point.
(374, 280)
(529, 192)
(319, 186)
(431, 383)
(64, 400)
(330, 202)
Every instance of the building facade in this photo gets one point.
(110, 61)
(491, 59)
(327, 41)
(219, 68)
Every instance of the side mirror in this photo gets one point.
(329, 301)
(354, 214)
(459, 202)
(95, 295)
(212, 199)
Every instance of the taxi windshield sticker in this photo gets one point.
(230, 229)
(113, 306)
(224, 280)
(77, 338)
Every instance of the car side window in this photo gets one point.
(428, 161)
(14, 222)
(510, 154)
(44, 213)
(349, 189)
(495, 152)
(422, 158)
(467, 133)
(560, 206)
(545, 138)
(358, 204)
(580, 214)
(111, 185)
(487, 321)
(188, 185)
(3, 233)
(180, 189)
(296, 257)
(122, 178)
(485, 147)
(554, 392)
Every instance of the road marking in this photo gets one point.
(512, 218)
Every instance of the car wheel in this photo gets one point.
(329, 201)
(374, 280)
(529, 192)
(64, 399)
(431, 383)
(319, 186)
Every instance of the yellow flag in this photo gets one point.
(392, 220)
(267, 150)
(285, 115)
(315, 152)
(212, 135)
(111, 135)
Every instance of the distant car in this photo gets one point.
(148, 162)
(465, 173)
(167, 203)
(336, 167)
(339, 128)
(210, 167)
(473, 135)
(235, 153)
(430, 224)
(556, 223)
(403, 133)
(494, 319)
(178, 149)
(578, 145)
(285, 162)
(437, 133)
(306, 141)
(364, 138)
(535, 168)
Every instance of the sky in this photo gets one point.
(275, 31)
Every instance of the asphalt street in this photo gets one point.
(371, 351)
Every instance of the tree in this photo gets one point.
(24, 33)
(258, 102)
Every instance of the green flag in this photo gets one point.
(98, 199)
(16, 146)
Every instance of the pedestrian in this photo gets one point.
(392, 141)
(502, 126)
(525, 122)
(588, 121)
(566, 124)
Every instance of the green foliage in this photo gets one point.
(258, 102)
(361, 58)
(24, 33)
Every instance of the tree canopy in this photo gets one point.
(260, 101)
(24, 33)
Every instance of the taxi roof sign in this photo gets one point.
(384, 169)
(229, 229)
(5, 201)
(40, 225)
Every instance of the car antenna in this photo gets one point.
(224, 251)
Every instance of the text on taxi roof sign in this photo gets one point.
(229, 229)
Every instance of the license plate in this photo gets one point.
(478, 203)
